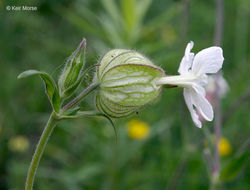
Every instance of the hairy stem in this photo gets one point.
(39, 150)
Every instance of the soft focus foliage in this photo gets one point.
(82, 154)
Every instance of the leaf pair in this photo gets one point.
(68, 82)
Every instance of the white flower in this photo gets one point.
(193, 78)
(219, 80)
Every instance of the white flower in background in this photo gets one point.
(193, 69)
(223, 86)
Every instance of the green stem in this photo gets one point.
(39, 150)
(82, 95)
(214, 183)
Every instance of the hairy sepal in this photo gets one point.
(127, 87)
(69, 80)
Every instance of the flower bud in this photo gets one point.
(127, 82)
(72, 70)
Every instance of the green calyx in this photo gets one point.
(127, 82)
(71, 75)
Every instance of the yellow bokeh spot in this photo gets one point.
(18, 144)
(138, 129)
(225, 148)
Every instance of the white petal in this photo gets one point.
(201, 103)
(188, 99)
(209, 60)
(199, 89)
(211, 85)
(223, 86)
(189, 47)
(187, 60)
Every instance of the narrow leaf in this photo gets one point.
(70, 90)
(28, 73)
(71, 112)
(128, 10)
(111, 8)
(50, 87)
(56, 101)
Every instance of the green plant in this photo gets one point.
(68, 82)
(126, 81)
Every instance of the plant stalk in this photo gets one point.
(214, 184)
(39, 150)
(82, 95)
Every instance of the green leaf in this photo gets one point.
(56, 101)
(28, 73)
(90, 27)
(71, 89)
(71, 112)
(129, 13)
(111, 8)
(142, 7)
(233, 168)
(50, 87)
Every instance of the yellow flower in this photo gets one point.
(138, 129)
(18, 144)
(225, 148)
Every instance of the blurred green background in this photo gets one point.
(164, 150)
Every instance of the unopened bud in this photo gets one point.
(72, 70)
(127, 82)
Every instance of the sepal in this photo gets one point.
(71, 75)
(127, 82)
